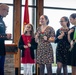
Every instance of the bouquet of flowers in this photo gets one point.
(42, 34)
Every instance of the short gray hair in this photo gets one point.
(2, 6)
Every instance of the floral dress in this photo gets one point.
(45, 50)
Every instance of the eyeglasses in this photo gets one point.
(28, 27)
(62, 21)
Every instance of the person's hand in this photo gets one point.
(29, 45)
(51, 39)
(37, 34)
(71, 44)
(70, 31)
(61, 35)
(45, 38)
(25, 46)
(8, 36)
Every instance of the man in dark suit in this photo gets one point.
(3, 36)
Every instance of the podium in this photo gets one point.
(12, 49)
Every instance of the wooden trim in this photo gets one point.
(11, 53)
(39, 13)
(17, 27)
(39, 10)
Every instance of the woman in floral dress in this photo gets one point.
(44, 35)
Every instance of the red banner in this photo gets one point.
(26, 13)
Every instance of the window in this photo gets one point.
(9, 19)
(32, 19)
(32, 13)
(55, 9)
(30, 2)
(55, 15)
(8, 1)
(9, 24)
(60, 3)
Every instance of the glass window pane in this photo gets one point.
(60, 3)
(30, 2)
(8, 41)
(9, 22)
(32, 15)
(6, 1)
(54, 16)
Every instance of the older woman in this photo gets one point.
(44, 35)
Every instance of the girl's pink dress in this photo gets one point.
(27, 56)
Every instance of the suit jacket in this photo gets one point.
(2, 37)
(32, 48)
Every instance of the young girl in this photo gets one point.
(27, 44)
(62, 46)
(72, 40)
